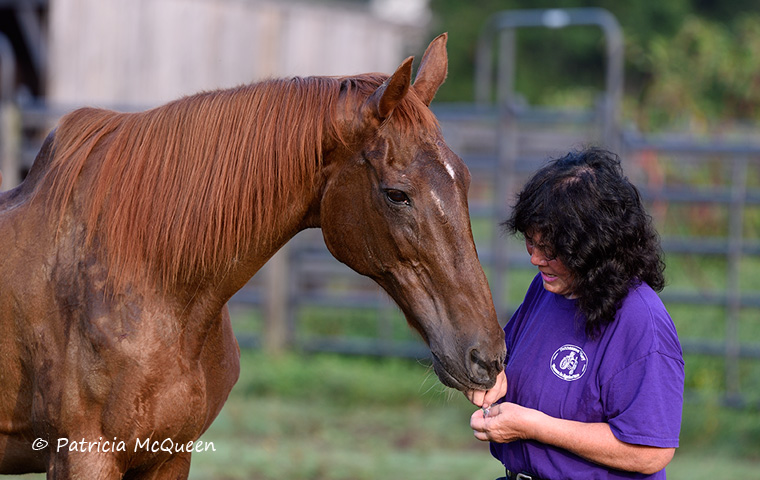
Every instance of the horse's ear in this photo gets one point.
(392, 91)
(433, 69)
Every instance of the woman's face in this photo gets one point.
(557, 278)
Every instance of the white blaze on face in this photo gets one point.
(438, 203)
(436, 199)
(449, 169)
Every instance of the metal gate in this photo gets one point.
(526, 136)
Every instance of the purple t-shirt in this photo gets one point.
(631, 377)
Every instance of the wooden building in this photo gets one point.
(143, 52)
(56, 55)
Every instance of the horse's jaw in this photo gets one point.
(459, 326)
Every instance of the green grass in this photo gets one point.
(332, 417)
(329, 417)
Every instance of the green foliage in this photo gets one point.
(707, 73)
(548, 60)
(689, 64)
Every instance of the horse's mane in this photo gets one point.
(181, 190)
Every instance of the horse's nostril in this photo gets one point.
(481, 370)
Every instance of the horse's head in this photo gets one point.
(394, 208)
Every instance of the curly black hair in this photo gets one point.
(590, 217)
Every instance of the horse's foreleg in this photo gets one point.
(104, 467)
(76, 465)
(176, 468)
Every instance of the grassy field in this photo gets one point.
(327, 417)
(331, 417)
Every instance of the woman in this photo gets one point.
(593, 384)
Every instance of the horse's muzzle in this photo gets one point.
(476, 372)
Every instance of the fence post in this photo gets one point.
(733, 287)
(276, 337)
(10, 121)
(10, 145)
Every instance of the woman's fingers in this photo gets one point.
(486, 398)
(496, 392)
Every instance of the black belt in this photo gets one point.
(518, 476)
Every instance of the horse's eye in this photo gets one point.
(397, 196)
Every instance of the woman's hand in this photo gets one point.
(507, 422)
(486, 398)
(503, 423)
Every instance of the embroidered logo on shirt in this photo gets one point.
(569, 362)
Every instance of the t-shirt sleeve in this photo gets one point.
(643, 403)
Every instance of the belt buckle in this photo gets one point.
(522, 476)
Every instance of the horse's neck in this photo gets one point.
(292, 217)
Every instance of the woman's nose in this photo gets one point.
(537, 257)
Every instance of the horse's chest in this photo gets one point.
(168, 404)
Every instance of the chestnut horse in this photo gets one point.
(120, 250)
